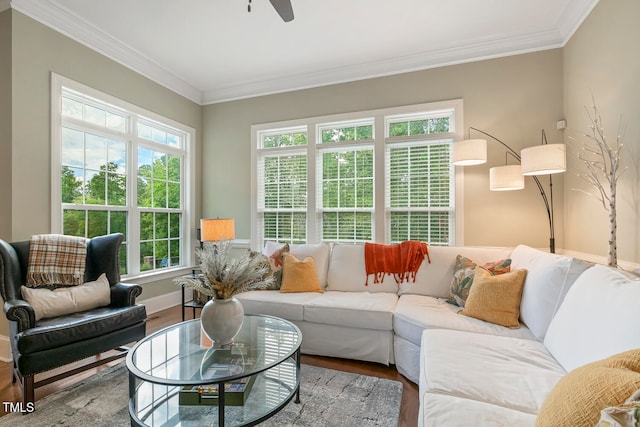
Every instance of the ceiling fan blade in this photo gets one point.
(284, 9)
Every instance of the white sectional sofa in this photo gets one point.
(349, 320)
(469, 372)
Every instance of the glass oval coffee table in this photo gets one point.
(175, 375)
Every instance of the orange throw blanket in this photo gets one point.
(402, 260)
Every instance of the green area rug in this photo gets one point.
(328, 398)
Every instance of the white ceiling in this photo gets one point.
(214, 50)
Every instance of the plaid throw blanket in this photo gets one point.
(56, 260)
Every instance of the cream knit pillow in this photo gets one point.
(48, 303)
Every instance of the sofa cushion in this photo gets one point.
(354, 309)
(273, 303)
(549, 277)
(299, 276)
(434, 279)
(75, 327)
(318, 251)
(510, 372)
(415, 313)
(438, 410)
(496, 299)
(347, 272)
(583, 393)
(598, 318)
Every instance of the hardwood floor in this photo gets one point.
(10, 392)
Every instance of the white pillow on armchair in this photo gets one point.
(48, 303)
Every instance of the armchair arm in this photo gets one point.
(124, 295)
(20, 311)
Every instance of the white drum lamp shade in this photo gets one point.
(506, 178)
(470, 152)
(544, 159)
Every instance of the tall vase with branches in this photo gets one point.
(602, 161)
(223, 276)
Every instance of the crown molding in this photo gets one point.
(51, 14)
(505, 46)
(573, 16)
(71, 25)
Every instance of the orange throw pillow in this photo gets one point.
(299, 276)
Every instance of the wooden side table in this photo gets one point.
(195, 273)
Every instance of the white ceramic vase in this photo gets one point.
(221, 320)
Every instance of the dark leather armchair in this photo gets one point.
(39, 346)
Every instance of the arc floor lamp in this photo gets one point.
(544, 159)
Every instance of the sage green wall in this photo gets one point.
(38, 51)
(5, 125)
(512, 98)
(602, 59)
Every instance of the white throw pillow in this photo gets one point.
(549, 277)
(598, 318)
(48, 303)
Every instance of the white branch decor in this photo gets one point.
(602, 161)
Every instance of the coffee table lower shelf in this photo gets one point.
(159, 405)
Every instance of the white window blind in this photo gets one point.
(345, 183)
(419, 178)
(282, 189)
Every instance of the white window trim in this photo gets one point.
(188, 176)
(314, 124)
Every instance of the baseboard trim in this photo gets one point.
(165, 301)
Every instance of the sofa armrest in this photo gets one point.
(124, 295)
(20, 311)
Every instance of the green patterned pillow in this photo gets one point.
(625, 415)
(264, 262)
(275, 262)
(463, 273)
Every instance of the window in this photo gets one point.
(282, 191)
(346, 182)
(383, 175)
(117, 168)
(419, 176)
